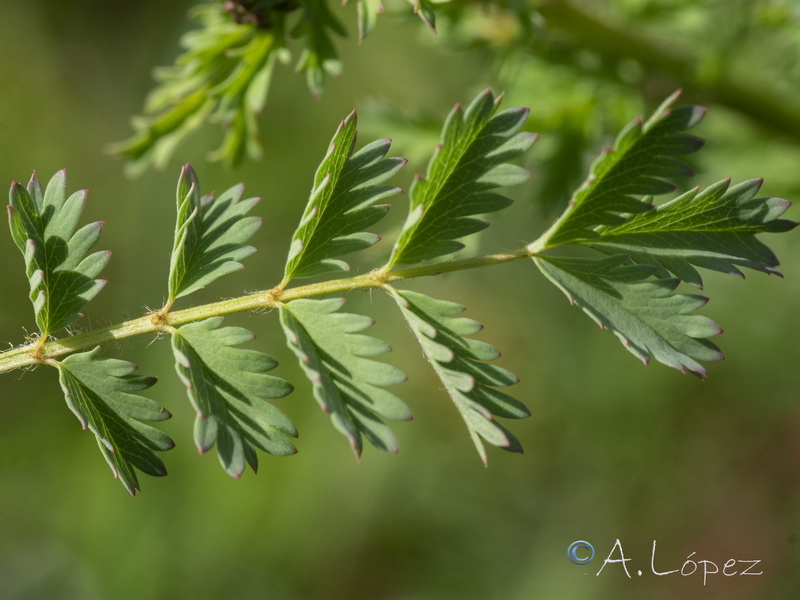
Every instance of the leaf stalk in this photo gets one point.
(161, 322)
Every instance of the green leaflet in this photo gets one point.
(368, 11)
(643, 313)
(643, 162)
(102, 394)
(426, 12)
(59, 267)
(462, 365)
(342, 203)
(714, 229)
(228, 388)
(319, 56)
(209, 235)
(223, 75)
(470, 161)
(347, 383)
(224, 72)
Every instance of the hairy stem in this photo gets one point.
(160, 322)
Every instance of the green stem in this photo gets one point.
(161, 322)
(757, 98)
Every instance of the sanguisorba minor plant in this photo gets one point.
(638, 253)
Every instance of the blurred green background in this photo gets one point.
(614, 450)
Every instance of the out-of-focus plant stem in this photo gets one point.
(757, 98)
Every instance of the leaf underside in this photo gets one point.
(60, 270)
(103, 395)
(210, 235)
(641, 311)
(347, 185)
(468, 164)
(462, 364)
(228, 388)
(337, 360)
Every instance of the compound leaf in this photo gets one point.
(228, 388)
(224, 72)
(342, 203)
(643, 162)
(347, 383)
(60, 270)
(642, 312)
(223, 75)
(462, 364)
(713, 229)
(470, 161)
(209, 235)
(103, 395)
(319, 57)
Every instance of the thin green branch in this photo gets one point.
(160, 322)
(757, 98)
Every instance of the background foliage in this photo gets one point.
(613, 449)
